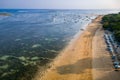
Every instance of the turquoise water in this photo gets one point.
(35, 37)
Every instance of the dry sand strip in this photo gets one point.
(75, 61)
(102, 63)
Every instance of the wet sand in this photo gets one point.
(85, 58)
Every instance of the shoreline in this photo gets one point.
(66, 65)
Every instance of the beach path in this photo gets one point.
(103, 68)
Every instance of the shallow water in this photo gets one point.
(35, 37)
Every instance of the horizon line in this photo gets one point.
(64, 8)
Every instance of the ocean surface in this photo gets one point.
(30, 37)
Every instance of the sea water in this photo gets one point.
(30, 37)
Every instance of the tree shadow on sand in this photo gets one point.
(86, 64)
(83, 64)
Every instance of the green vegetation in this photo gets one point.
(24, 73)
(20, 68)
(5, 14)
(22, 62)
(111, 22)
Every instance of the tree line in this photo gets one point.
(111, 22)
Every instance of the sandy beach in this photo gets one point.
(103, 68)
(85, 58)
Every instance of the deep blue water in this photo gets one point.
(28, 36)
